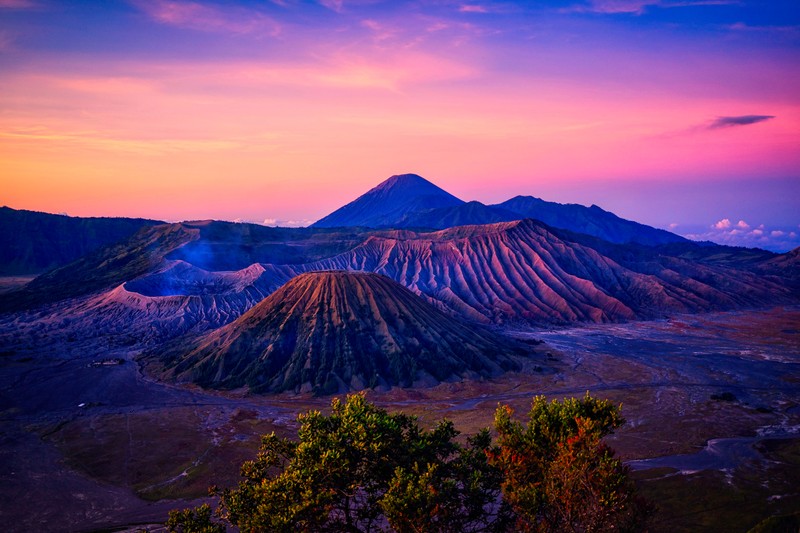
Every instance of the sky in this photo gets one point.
(681, 114)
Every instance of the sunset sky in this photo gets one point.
(682, 114)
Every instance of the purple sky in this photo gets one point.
(682, 114)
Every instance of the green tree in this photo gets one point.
(558, 475)
(462, 494)
(335, 477)
(194, 521)
(361, 468)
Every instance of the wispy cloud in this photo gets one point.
(741, 120)
(380, 31)
(473, 8)
(97, 140)
(200, 17)
(281, 223)
(393, 73)
(18, 4)
(742, 27)
(638, 7)
(333, 5)
(615, 6)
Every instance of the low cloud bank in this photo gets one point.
(741, 233)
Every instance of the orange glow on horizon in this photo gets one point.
(296, 138)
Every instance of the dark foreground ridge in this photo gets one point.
(327, 332)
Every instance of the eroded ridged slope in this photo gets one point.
(332, 331)
(521, 271)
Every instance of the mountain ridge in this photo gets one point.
(522, 271)
(592, 220)
(33, 242)
(411, 201)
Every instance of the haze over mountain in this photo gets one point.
(33, 242)
(141, 254)
(329, 332)
(209, 245)
(410, 201)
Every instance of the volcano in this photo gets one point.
(328, 332)
(391, 201)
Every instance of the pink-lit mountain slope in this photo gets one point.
(328, 332)
(522, 271)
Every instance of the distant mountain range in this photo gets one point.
(410, 201)
(329, 332)
(588, 220)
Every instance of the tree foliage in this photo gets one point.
(361, 468)
(194, 521)
(556, 473)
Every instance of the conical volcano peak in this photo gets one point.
(411, 188)
(407, 181)
(389, 202)
(329, 332)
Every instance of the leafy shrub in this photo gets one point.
(362, 468)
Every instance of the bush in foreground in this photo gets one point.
(362, 468)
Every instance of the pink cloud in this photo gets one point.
(333, 5)
(276, 222)
(18, 4)
(109, 142)
(740, 234)
(196, 16)
(638, 7)
(742, 27)
(380, 32)
(392, 72)
(725, 223)
(619, 6)
(472, 8)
